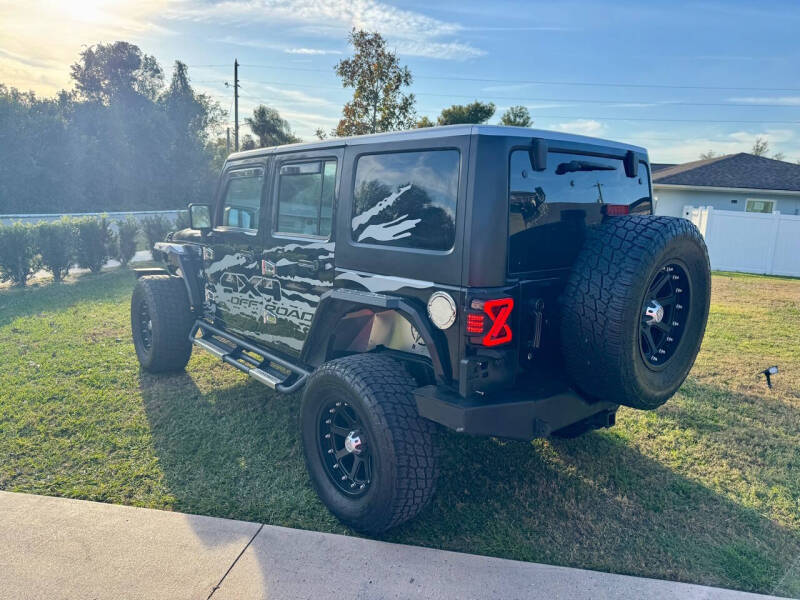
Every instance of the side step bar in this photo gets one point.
(274, 371)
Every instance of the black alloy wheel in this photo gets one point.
(145, 325)
(369, 454)
(665, 312)
(344, 447)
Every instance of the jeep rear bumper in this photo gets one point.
(513, 414)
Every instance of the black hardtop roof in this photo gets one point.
(447, 131)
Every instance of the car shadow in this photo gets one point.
(595, 502)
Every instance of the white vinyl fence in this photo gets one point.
(112, 216)
(749, 242)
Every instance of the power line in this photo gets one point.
(538, 82)
(626, 101)
(264, 99)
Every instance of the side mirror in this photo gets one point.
(200, 217)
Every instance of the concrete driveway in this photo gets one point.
(52, 548)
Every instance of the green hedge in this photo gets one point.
(87, 241)
(18, 253)
(127, 231)
(57, 242)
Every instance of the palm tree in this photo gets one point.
(270, 129)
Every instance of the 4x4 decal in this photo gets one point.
(262, 295)
(255, 295)
(255, 286)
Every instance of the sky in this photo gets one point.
(679, 78)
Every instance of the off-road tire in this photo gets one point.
(167, 303)
(602, 308)
(400, 441)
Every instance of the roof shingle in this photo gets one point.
(733, 171)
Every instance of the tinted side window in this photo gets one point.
(305, 198)
(242, 202)
(406, 199)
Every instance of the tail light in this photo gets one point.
(475, 323)
(616, 210)
(488, 321)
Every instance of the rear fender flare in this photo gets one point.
(339, 302)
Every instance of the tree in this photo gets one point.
(760, 147)
(270, 129)
(217, 150)
(475, 113)
(248, 143)
(119, 141)
(320, 134)
(517, 116)
(115, 70)
(708, 155)
(194, 115)
(377, 79)
(190, 119)
(425, 122)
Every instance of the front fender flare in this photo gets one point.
(188, 259)
(336, 303)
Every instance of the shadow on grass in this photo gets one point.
(595, 502)
(56, 297)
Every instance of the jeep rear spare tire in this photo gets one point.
(635, 309)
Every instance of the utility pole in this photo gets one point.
(227, 140)
(236, 104)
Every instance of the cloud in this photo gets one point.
(689, 149)
(247, 43)
(773, 136)
(443, 50)
(260, 43)
(266, 94)
(412, 33)
(521, 28)
(310, 51)
(781, 100)
(581, 127)
(41, 40)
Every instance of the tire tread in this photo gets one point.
(172, 319)
(605, 279)
(387, 390)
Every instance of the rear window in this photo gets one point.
(549, 210)
(406, 199)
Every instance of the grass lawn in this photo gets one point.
(705, 489)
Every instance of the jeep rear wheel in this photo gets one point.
(635, 309)
(369, 454)
(160, 323)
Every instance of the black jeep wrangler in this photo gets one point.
(498, 281)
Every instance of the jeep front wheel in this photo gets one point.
(635, 309)
(160, 323)
(369, 454)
